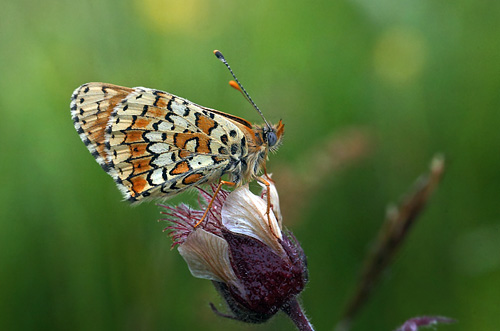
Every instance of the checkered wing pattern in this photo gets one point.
(154, 144)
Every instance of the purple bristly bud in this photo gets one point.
(257, 267)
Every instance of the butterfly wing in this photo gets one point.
(91, 108)
(157, 144)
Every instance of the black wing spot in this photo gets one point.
(234, 149)
(213, 127)
(167, 117)
(173, 187)
(232, 133)
(217, 160)
(224, 139)
(169, 104)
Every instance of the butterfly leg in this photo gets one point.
(268, 194)
(265, 182)
(222, 182)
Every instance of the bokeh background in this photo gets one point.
(369, 91)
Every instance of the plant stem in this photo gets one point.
(296, 314)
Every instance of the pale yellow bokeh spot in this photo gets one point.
(400, 55)
(178, 16)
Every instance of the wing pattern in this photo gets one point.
(153, 143)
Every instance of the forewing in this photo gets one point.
(158, 144)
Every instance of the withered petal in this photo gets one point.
(207, 256)
(245, 213)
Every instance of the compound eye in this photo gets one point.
(272, 139)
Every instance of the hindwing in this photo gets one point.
(153, 143)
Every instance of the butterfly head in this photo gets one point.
(272, 135)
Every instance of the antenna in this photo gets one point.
(240, 87)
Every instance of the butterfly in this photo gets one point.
(155, 144)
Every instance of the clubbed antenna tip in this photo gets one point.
(221, 57)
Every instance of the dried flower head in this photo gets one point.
(257, 267)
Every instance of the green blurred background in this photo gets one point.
(369, 91)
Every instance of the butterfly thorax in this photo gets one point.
(258, 146)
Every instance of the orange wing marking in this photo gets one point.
(141, 123)
(138, 150)
(206, 124)
(138, 185)
(133, 136)
(180, 168)
(191, 179)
